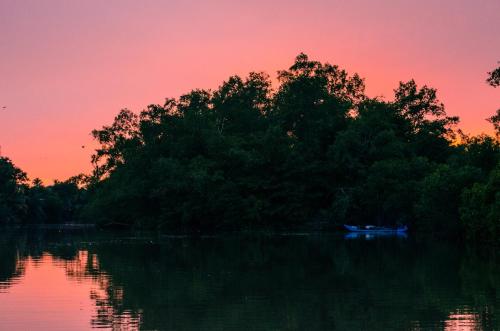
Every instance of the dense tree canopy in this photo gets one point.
(314, 149)
(35, 203)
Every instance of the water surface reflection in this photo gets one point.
(79, 281)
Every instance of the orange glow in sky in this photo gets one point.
(67, 67)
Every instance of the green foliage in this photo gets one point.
(480, 210)
(244, 156)
(55, 204)
(12, 185)
(437, 209)
(37, 204)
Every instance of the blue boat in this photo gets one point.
(374, 235)
(375, 229)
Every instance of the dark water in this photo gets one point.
(51, 280)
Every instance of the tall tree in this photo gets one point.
(12, 191)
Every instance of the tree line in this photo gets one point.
(315, 149)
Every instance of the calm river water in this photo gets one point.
(60, 280)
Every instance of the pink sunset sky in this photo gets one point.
(68, 66)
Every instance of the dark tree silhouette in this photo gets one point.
(314, 151)
(494, 77)
(315, 148)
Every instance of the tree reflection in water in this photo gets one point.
(267, 282)
(37, 277)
